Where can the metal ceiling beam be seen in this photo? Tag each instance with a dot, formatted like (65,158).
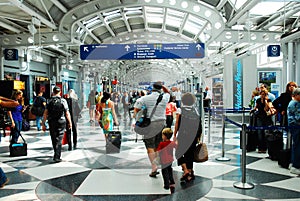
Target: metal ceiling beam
(31,12)
(240,36)
(183,23)
(241,11)
(9,27)
(89,32)
(125,19)
(51,38)
(106,25)
(221,4)
(60,6)
(279,18)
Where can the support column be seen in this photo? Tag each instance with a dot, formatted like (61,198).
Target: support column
(297,62)
(290,69)
(284,79)
(1,64)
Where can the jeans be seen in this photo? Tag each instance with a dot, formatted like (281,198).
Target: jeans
(16,131)
(167,173)
(74,131)
(295,153)
(56,133)
(2,177)
(262,142)
(38,122)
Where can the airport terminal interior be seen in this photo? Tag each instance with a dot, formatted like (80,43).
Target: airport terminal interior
(88,173)
(229,46)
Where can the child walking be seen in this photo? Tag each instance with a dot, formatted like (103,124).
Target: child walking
(165,150)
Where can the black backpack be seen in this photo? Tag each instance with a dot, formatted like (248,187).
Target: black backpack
(190,121)
(55,108)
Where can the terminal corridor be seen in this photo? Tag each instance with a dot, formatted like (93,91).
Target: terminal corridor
(88,173)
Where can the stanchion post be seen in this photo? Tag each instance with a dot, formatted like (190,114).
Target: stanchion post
(223,158)
(242,184)
(208,129)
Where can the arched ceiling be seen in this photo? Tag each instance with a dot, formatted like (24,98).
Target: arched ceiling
(59,27)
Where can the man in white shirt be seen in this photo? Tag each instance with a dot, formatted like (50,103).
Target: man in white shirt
(149,101)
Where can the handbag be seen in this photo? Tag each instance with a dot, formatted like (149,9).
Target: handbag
(18,149)
(200,153)
(144,125)
(64,139)
(25,125)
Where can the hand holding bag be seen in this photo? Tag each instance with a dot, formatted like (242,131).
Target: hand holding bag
(201,152)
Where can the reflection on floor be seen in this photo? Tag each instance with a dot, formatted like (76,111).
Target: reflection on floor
(88,173)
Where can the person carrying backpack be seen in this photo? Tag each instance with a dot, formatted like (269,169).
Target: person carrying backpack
(187,133)
(57,112)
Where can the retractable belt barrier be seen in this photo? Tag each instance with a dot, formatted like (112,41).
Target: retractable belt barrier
(242,184)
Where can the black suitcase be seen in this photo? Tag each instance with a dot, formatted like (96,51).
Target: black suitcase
(18,149)
(252,138)
(274,143)
(113,144)
(284,158)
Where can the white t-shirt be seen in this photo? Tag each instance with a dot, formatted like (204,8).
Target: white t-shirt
(150,101)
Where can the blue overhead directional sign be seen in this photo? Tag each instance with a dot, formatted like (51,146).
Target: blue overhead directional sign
(141,51)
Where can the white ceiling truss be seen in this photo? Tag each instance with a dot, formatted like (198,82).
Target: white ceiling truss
(62,25)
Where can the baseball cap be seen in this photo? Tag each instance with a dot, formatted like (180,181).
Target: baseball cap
(56,89)
(296,91)
(157,86)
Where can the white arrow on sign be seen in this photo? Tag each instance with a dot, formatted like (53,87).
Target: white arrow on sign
(127,47)
(86,49)
(198,46)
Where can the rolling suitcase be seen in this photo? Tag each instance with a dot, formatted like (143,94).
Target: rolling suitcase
(274,143)
(284,157)
(113,143)
(18,149)
(251,135)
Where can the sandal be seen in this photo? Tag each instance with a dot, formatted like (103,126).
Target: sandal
(184,177)
(153,174)
(187,177)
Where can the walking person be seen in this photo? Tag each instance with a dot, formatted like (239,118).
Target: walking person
(40,105)
(57,113)
(170,110)
(107,114)
(74,110)
(125,102)
(293,112)
(5,102)
(92,104)
(16,115)
(149,101)
(165,151)
(187,132)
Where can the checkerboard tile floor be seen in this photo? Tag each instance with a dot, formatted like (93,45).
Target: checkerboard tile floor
(88,173)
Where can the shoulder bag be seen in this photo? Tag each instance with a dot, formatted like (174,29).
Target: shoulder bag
(200,152)
(144,125)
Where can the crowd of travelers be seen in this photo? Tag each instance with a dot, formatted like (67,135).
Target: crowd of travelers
(182,130)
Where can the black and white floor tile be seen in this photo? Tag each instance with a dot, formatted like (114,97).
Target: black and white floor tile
(88,173)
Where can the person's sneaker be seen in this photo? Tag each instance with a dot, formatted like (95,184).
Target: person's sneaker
(294,170)
(57,160)
(172,189)
(290,166)
(6,182)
